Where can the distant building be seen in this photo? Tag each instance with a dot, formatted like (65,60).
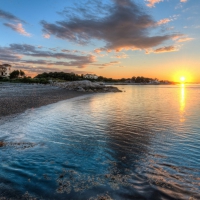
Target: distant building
(90,76)
(5,70)
(154,81)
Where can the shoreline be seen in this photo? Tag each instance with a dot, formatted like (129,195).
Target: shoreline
(16,98)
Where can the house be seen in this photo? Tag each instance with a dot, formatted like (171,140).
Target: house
(90,76)
(154,81)
(5,70)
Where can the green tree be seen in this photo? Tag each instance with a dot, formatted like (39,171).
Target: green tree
(14,74)
(21,73)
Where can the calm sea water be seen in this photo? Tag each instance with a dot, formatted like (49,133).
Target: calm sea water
(140,144)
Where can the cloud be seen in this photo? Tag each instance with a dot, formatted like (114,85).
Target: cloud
(131,28)
(73,51)
(31,70)
(186,39)
(151,3)
(76,60)
(163,21)
(15,52)
(8,55)
(47,36)
(18,28)
(183,1)
(166,49)
(78,64)
(103,65)
(9,17)
(120,56)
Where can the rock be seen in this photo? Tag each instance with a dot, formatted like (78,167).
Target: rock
(86,85)
(80,89)
(2,144)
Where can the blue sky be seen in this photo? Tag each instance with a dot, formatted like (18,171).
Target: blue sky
(113,38)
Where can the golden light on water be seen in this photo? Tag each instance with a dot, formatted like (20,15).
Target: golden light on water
(182,103)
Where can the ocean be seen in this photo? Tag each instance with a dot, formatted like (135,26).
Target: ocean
(142,143)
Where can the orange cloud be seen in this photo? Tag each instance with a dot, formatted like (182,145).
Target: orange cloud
(151,3)
(185,39)
(163,21)
(99,50)
(166,49)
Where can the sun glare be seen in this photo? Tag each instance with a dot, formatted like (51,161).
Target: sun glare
(182,79)
(182,76)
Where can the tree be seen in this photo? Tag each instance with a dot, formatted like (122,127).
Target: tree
(133,78)
(21,73)
(14,74)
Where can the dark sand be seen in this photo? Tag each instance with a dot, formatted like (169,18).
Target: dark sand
(16,98)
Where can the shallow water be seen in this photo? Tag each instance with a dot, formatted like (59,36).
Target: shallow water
(140,144)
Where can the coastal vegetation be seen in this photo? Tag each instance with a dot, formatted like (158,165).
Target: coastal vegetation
(44,78)
(17,74)
(62,76)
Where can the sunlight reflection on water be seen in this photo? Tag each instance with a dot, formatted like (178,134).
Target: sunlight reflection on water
(182,103)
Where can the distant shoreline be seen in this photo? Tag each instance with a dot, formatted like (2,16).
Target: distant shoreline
(141,83)
(175,83)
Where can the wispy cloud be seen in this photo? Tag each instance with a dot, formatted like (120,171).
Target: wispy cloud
(151,3)
(10,17)
(103,65)
(14,23)
(131,28)
(120,56)
(47,36)
(166,49)
(163,21)
(15,52)
(8,55)
(185,39)
(18,28)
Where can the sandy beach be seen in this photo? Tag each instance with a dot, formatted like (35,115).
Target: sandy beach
(17,97)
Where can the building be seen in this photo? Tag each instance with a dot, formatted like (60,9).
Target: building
(154,81)
(90,76)
(5,70)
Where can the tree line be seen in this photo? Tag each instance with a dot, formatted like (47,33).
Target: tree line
(19,75)
(75,77)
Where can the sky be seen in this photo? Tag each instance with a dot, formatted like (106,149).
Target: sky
(110,38)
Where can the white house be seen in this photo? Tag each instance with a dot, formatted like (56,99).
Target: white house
(5,70)
(155,81)
(90,76)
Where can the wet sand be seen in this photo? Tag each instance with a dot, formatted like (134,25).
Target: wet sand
(16,97)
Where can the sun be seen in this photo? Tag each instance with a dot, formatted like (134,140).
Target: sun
(182,78)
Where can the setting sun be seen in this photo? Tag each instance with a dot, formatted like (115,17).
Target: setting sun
(183,76)
(182,79)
